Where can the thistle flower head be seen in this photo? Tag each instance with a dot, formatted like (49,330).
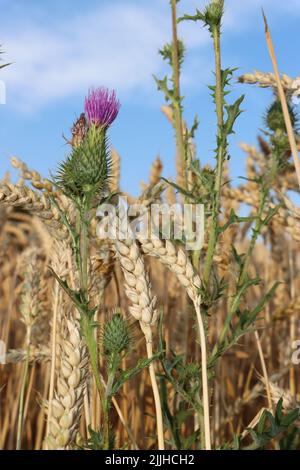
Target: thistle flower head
(101,107)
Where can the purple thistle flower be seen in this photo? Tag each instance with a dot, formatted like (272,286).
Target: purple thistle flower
(101,106)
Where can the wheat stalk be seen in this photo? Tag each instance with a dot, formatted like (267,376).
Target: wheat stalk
(180,265)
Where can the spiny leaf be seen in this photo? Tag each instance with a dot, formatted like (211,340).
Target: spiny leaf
(197,17)
(126,375)
(233,112)
(162,85)
(270,427)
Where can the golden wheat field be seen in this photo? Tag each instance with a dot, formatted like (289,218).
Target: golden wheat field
(115,333)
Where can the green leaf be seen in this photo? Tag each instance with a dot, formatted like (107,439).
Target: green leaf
(270,427)
(233,219)
(167,52)
(162,85)
(291,417)
(233,112)
(126,375)
(74,295)
(197,17)
(181,190)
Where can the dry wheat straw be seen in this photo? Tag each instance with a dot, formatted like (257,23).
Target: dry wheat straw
(180,265)
(283,100)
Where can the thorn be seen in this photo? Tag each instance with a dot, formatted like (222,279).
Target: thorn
(66,140)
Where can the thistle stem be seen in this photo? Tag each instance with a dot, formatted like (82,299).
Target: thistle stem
(219,99)
(87,321)
(243,274)
(84,254)
(178,125)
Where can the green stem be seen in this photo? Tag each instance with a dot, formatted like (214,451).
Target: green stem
(84,240)
(243,274)
(87,321)
(219,99)
(256,231)
(176,101)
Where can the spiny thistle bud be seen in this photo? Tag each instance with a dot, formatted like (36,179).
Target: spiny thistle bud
(116,337)
(190,371)
(213,14)
(274,118)
(87,169)
(101,107)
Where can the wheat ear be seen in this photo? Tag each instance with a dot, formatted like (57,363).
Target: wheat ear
(69,393)
(38,204)
(69,359)
(143,309)
(30,309)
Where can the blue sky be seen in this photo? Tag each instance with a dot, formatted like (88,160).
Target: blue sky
(60,49)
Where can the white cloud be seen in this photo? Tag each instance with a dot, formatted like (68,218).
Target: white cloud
(114,45)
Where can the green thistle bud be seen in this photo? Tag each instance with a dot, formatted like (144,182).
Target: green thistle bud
(274,118)
(86,171)
(190,372)
(213,14)
(116,337)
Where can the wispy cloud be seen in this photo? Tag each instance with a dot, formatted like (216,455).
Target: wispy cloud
(115,44)
(112,46)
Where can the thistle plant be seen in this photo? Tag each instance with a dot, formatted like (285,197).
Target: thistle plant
(173,53)
(117,343)
(207,187)
(84,178)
